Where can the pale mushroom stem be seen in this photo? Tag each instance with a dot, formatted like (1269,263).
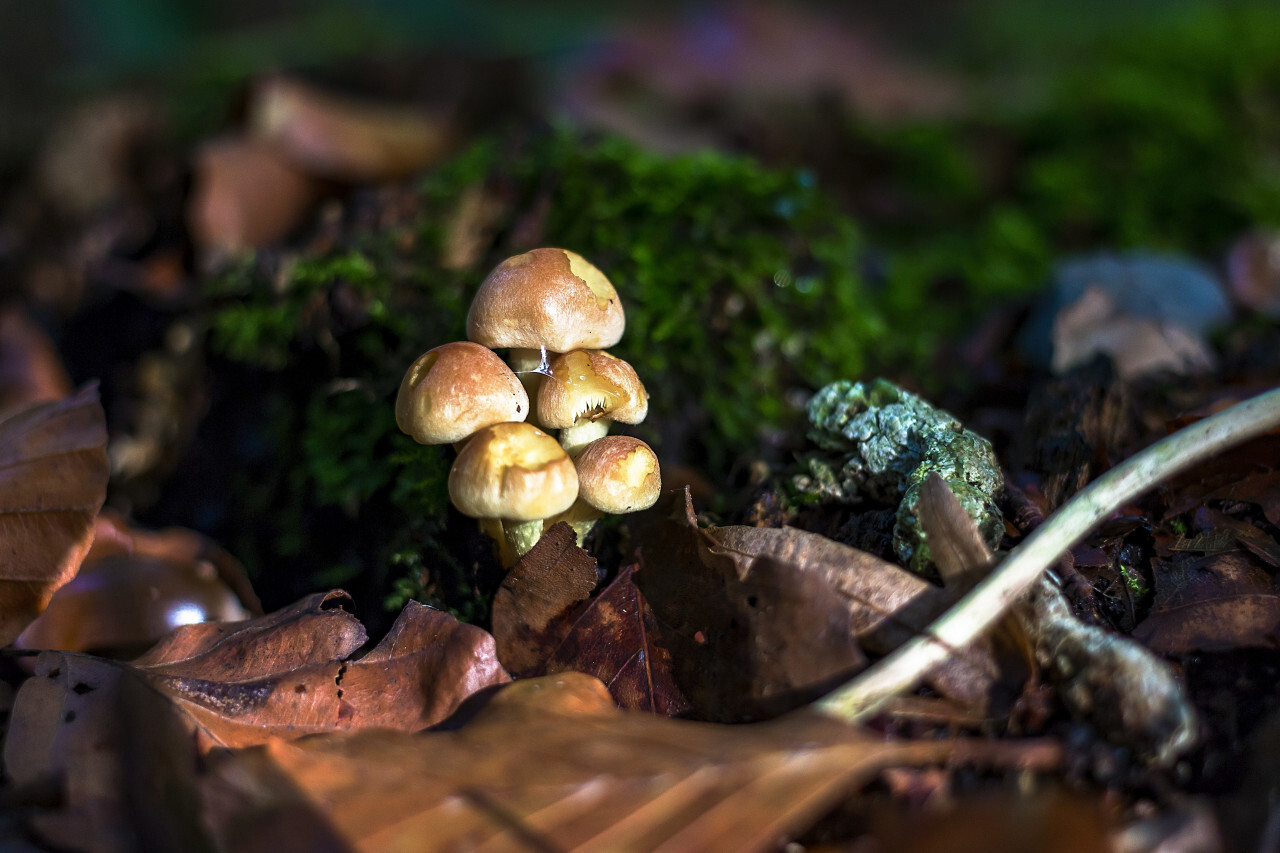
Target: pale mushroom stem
(582,516)
(529,365)
(521,537)
(574,439)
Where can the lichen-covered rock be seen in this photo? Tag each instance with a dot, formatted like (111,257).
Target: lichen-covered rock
(881,442)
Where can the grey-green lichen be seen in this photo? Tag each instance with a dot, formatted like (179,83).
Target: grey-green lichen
(881,442)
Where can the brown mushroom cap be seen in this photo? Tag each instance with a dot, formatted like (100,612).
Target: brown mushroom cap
(587,385)
(618,474)
(512,471)
(455,390)
(549,298)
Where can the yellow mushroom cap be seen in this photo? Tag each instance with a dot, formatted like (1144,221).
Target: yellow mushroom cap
(587,385)
(618,474)
(455,390)
(549,298)
(512,471)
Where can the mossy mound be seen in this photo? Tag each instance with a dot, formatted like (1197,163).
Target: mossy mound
(741,286)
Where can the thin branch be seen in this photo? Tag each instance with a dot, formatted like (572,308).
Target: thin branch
(988,601)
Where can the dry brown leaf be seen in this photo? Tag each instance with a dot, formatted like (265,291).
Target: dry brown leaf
(548,582)
(544,621)
(288,673)
(136,585)
(616,638)
(30,369)
(53,480)
(548,764)
(1217,602)
(761,620)
(1050,821)
(343,138)
(749,638)
(1138,346)
(245,194)
(116,754)
(114,740)
(1260,489)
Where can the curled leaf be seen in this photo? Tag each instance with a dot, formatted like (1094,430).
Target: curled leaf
(53,479)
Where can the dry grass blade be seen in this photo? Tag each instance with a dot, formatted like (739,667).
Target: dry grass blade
(550,764)
(53,479)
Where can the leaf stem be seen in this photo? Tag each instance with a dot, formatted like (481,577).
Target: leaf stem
(989,600)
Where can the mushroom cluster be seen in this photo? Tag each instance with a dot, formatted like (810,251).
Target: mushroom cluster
(555,314)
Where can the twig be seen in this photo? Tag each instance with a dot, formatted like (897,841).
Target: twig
(988,601)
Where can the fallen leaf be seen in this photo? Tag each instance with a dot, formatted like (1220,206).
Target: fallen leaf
(648,81)
(30,369)
(548,582)
(761,620)
(135,586)
(245,194)
(545,621)
(616,638)
(90,160)
(118,755)
(749,636)
(344,138)
(290,673)
(1263,490)
(1253,272)
(53,479)
(1052,821)
(127,603)
(1137,345)
(549,764)
(115,739)
(1215,602)
(1246,535)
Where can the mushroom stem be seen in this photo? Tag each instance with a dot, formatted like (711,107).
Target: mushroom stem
(575,438)
(494,529)
(529,366)
(582,516)
(521,537)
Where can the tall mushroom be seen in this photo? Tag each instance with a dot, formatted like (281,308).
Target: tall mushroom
(585,393)
(517,473)
(545,300)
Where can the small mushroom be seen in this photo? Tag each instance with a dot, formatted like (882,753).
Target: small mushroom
(517,473)
(546,300)
(585,393)
(455,390)
(617,474)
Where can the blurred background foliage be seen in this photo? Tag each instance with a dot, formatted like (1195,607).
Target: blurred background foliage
(766,242)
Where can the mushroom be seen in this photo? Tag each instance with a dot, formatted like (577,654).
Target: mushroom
(617,474)
(586,391)
(455,390)
(546,300)
(517,473)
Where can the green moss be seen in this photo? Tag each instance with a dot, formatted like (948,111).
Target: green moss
(739,282)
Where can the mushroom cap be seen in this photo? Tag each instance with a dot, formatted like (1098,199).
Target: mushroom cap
(512,471)
(587,385)
(618,474)
(549,298)
(452,391)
